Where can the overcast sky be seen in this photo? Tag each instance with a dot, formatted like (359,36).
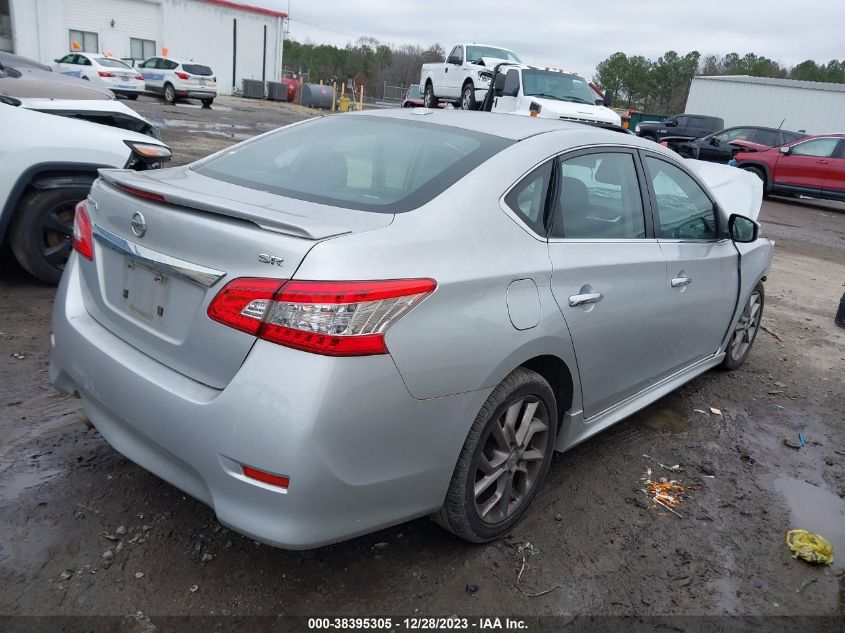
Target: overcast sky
(576,35)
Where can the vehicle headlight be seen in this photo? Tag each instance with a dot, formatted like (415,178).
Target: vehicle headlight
(485,76)
(146,155)
(637,127)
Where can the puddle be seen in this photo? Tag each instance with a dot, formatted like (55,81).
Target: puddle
(815,509)
(13,486)
(237,131)
(661,416)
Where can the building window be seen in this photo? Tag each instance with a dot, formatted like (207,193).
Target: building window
(141,49)
(84,41)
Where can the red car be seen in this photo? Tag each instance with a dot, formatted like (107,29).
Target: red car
(813,166)
(414,98)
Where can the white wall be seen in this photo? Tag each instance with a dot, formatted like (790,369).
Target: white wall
(739,103)
(204,32)
(189,29)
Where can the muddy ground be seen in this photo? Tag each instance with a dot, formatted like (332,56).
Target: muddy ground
(67,498)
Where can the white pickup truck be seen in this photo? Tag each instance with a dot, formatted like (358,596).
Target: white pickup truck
(464,75)
(548,93)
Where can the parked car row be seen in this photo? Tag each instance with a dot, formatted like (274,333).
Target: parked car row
(169,77)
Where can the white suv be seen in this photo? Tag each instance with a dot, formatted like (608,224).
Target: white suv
(47,165)
(173,79)
(114,74)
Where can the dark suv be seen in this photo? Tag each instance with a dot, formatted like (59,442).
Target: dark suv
(681,125)
(720,148)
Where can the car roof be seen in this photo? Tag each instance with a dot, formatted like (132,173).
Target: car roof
(18,61)
(509,126)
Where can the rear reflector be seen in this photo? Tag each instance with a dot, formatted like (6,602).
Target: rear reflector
(333,318)
(139,77)
(83,238)
(141,193)
(268,478)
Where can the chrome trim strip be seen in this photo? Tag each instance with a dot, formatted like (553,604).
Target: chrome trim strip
(170,266)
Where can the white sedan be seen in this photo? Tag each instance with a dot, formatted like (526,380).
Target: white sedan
(114,74)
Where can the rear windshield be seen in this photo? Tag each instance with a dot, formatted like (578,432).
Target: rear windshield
(197,69)
(357,162)
(112,63)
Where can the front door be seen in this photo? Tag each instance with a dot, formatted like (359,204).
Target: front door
(452,73)
(506,101)
(702,281)
(806,165)
(153,76)
(608,275)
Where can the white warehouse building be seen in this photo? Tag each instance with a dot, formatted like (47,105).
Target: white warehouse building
(812,106)
(237,40)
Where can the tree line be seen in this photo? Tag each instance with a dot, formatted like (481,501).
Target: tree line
(379,63)
(661,86)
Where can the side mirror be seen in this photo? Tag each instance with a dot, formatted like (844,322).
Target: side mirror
(608,98)
(454,60)
(715,142)
(783,149)
(670,123)
(742,229)
(58,61)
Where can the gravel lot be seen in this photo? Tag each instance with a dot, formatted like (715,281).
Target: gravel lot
(84,531)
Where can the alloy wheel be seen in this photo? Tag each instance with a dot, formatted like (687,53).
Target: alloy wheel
(56,227)
(746,327)
(466,100)
(511,459)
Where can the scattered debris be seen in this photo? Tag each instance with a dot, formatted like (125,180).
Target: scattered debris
(207,557)
(65,575)
(17,355)
(805,583)
(139,574)
(813,548)
(771,332)
(797,444)
(665,493)
(380,545)
(108,554)
(672,469)
(699,411)
(471,588)
(558,517)
(121,530)
(715,411)
(194,588)
(524,550)
(110,537)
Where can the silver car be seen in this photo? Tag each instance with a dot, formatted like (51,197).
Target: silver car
(361,319)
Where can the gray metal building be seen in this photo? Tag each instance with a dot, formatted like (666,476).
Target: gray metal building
(818,108)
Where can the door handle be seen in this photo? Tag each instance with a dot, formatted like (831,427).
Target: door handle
(446,70)
(580,300)
(677,282)
(822,161)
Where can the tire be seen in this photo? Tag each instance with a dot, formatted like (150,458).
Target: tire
(428,97)
(757,171)
(206,103)
(132,97)
(483,517)
(169,94)
(649,137)
(468,97)
(41,231)
(745,332)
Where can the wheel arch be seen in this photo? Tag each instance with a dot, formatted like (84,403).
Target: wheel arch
(559,376)
(767,185)
(46,176)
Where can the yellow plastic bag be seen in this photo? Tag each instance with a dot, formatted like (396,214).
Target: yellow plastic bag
(811,547)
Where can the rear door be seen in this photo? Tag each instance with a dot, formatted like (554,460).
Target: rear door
(699,292)
(67,65)
(608,275)
(834,184)
(807,165)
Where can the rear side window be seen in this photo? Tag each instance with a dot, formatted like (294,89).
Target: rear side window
(357,162)
(684,211)
(197,69)
(599,198)
(528,198)
(769,138)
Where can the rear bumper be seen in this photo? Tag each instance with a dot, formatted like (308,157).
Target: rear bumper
(196,94)
(361,453)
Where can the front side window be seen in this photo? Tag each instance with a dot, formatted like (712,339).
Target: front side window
(528,198)
(474,53)
(820,147)
(141,49)
(456,54)
(365,163)
(67,59)
(682,121)
(737,134)
(549,84)
(85,41)
(684,212)
(599,198)
(150,63)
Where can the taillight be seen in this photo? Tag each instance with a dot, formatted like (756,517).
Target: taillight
(334,318)
(103,73)
(139,77)
(83,238)
(182,75)
(141,193)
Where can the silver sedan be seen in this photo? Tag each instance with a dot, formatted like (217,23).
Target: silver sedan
(365,318)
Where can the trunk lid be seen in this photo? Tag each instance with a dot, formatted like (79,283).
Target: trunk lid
(152,290)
